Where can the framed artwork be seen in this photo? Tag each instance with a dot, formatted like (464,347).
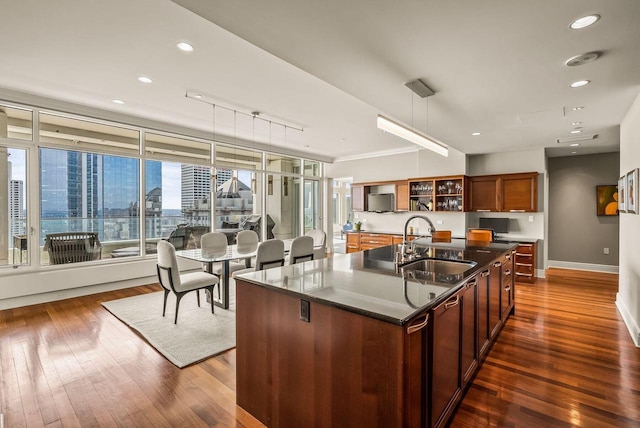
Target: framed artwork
(622,194)
(632,191)
(607,200)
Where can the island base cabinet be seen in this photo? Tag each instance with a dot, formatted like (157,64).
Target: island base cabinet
(338,369)
(469,349)
(484,331)
(446,386)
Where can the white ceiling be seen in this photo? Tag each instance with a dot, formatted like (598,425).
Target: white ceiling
(496,66)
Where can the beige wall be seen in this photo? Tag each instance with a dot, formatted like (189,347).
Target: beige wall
(628,299)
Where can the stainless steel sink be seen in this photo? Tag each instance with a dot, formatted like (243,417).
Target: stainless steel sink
(436,266)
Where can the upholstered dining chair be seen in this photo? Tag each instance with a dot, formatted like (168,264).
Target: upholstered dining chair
(247,242)
(441,236)
(270,254)
(301,250)
(214,244)
(172,280)
(319,243)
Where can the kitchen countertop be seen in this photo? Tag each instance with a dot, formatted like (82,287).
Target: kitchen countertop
(502,239)
(369,284)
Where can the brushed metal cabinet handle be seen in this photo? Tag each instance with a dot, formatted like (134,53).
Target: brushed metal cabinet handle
(418,326)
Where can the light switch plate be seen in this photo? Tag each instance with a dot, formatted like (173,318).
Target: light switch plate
(530,219)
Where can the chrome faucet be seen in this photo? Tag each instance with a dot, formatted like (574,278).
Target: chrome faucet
(432,228)
(404,255)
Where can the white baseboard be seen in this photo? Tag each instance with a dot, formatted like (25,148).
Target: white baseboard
(540,273)
(631,324)
(35,299)
(583,266)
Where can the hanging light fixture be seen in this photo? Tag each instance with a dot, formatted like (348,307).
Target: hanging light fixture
(409,133)
(285,180)
(253,149)
(270,177)
(412,135)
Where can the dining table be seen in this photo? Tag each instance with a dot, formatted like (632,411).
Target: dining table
(234,252)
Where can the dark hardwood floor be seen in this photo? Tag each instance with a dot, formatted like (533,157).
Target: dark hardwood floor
(564,359)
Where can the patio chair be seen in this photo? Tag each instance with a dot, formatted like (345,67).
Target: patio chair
(72,247)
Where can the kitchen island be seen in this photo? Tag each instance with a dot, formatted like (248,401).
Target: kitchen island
(355,340)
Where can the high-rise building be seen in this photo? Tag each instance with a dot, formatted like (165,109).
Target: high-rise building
(196,185)
(17,221)
(93,192)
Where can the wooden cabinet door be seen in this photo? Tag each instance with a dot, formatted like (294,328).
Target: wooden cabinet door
(353,242)
(507,286)
(495,292)
(358,197)
(446,386)
(482,296)
(402,196)
(416,360)
(483,194)
(519,192)
(469,351)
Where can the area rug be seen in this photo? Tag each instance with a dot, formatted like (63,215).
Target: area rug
(198,335)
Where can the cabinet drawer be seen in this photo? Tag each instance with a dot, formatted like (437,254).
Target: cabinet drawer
(376,239)
(525,249)
(524,268)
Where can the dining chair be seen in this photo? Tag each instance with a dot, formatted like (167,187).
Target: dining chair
(319,243)
(441,236)
(485,235)
(172,280)
(215,244)
(301,250)
(247,242)
(270,254)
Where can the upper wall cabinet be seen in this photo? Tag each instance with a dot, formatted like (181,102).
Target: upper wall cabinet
(504,193)
(358,197)
(483,193)
(361,191)
(437,193)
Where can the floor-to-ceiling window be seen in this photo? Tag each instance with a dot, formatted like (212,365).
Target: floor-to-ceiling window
(88,184)
(130,187)
(283,195)
(15,127)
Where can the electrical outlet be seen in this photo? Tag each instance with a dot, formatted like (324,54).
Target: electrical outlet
(606,250)
(530,219)
(356,215)
(304,310)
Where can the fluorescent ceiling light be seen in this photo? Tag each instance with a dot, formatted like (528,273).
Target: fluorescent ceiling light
(580,83)
(184,46)
(574,144)
(410,135)
(144,79)
(577,108)
(576,131)
(576,123)
(475,134)
(585,21)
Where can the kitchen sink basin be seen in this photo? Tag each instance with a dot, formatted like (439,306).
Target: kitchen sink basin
(437,266)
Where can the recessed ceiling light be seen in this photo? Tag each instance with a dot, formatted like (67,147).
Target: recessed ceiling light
(118,101)
(580,83)
(585,21)
(475,134)
(576,123)
(198,96)
(144,79)
(577,108)
(184,46)
(576,131)
(573,153)
(575,144)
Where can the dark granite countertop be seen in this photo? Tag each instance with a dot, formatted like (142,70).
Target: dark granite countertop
(369,283)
